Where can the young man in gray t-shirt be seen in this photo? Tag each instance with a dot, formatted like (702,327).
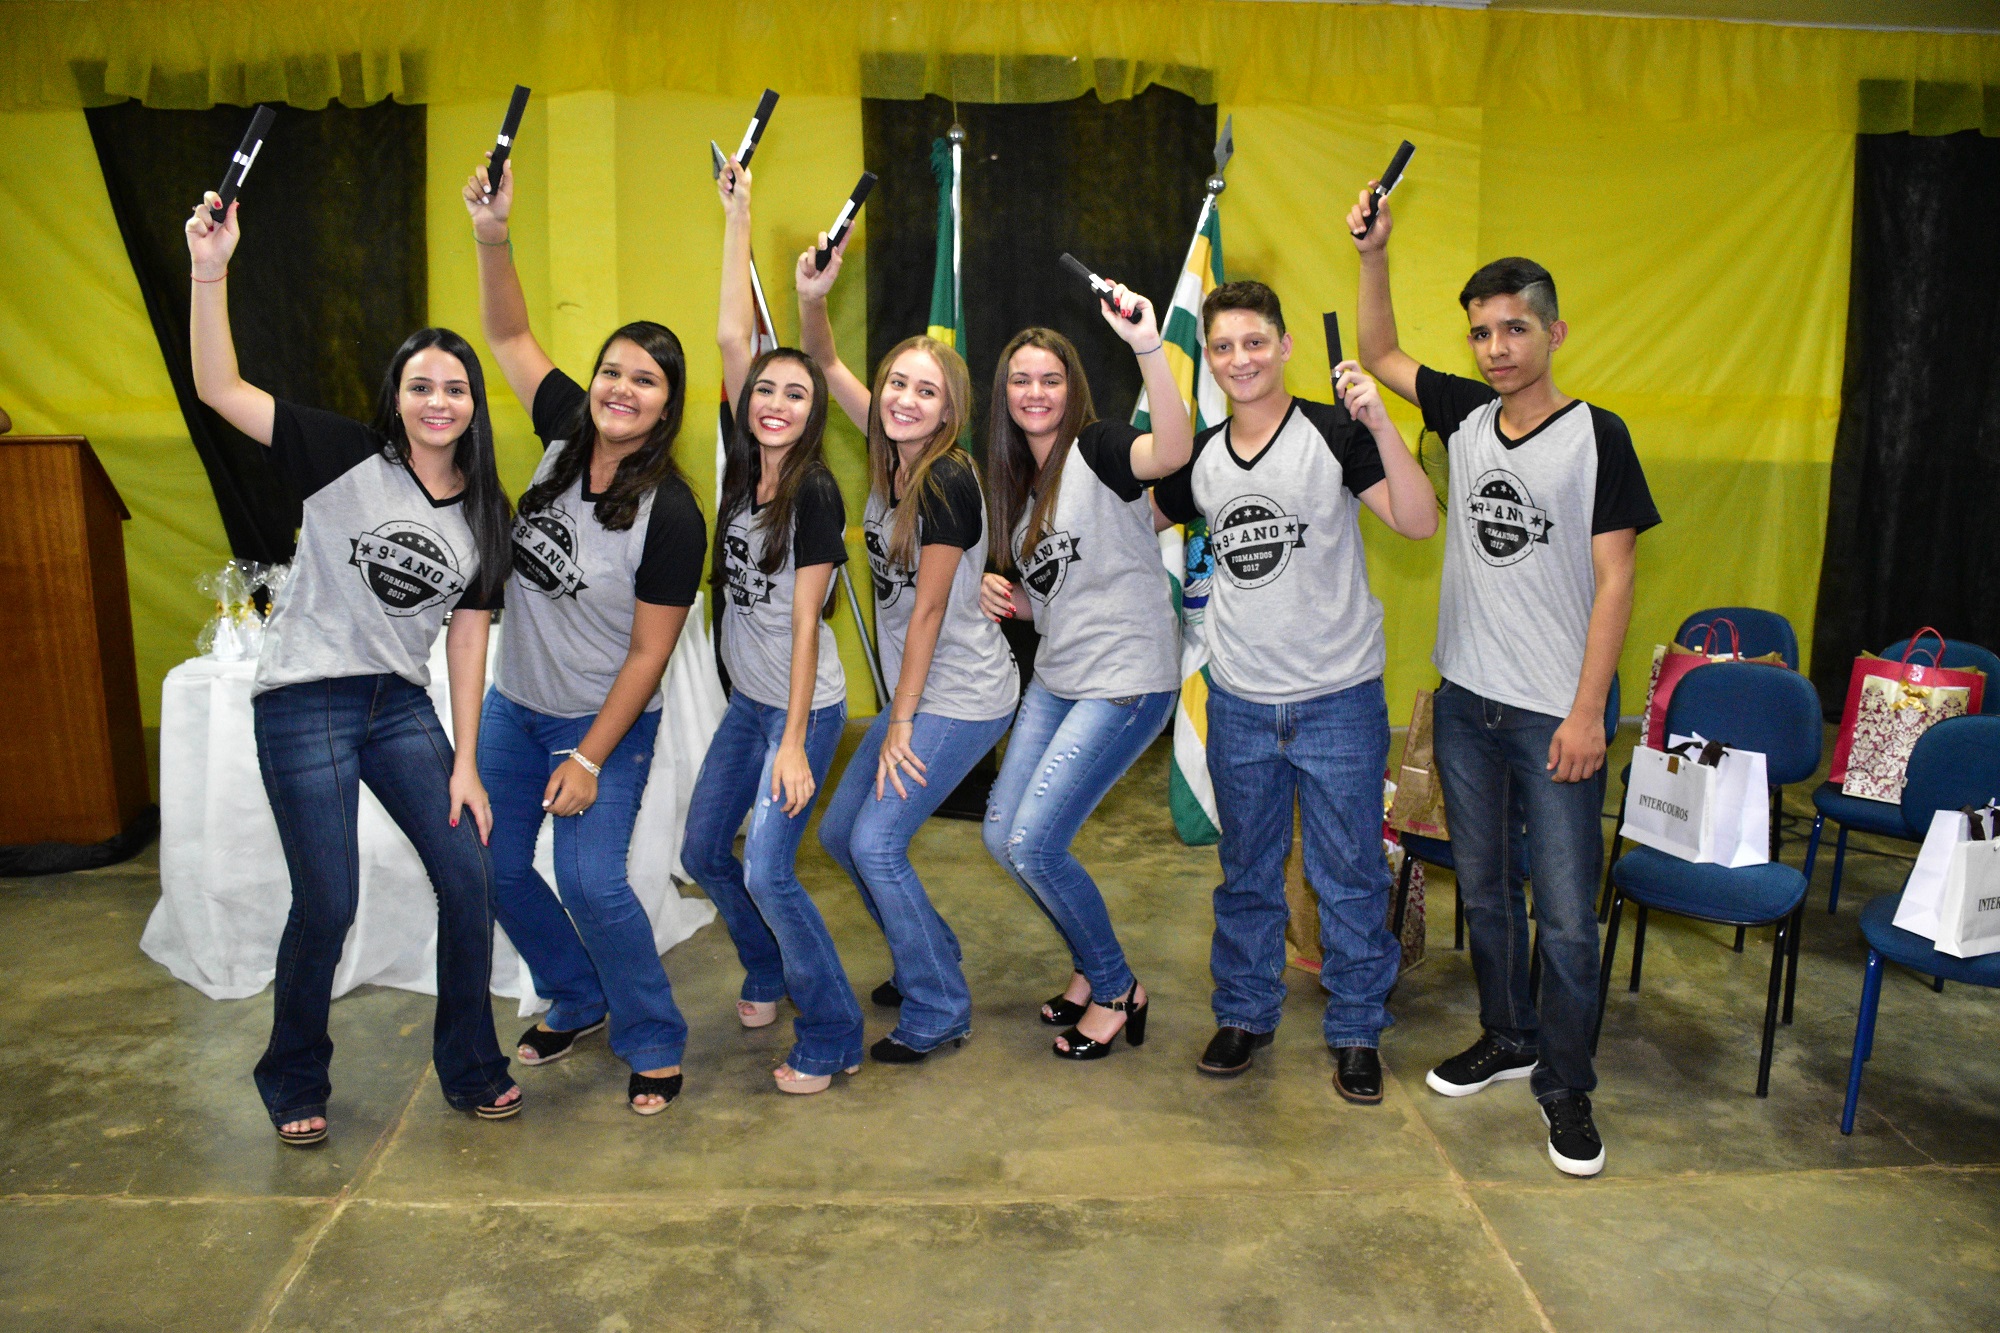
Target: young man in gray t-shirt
(1545,505)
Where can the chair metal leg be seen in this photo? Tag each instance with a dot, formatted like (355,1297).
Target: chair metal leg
(1604,972)
(1739,940)
(1457,913)
(1534,965)
(1812,846)
(1617,846)
(1937,984)
(1864,1038)
(1402,894)
(1638,946)
(1839,863)
(1778,951)
(1792,966)
(1777,822)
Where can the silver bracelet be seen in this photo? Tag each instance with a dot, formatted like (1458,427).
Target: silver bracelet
(582,762)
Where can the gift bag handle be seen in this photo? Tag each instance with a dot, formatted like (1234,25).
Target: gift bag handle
(1937,656)
(1708,629)
(1975,823)
(1710,756)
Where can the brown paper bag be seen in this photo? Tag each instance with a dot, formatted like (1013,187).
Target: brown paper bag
(1419,803)
(1302,945)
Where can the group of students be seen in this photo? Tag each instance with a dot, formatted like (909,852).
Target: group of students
(406,528)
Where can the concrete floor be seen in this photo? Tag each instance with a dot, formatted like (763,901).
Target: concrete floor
(141,1186)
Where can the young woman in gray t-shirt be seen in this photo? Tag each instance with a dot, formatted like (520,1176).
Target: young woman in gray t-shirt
(779,533)
(1069,498)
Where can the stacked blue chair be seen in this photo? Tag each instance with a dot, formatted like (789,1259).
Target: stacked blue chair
(1880,817)
(1749,706)
(1954,764)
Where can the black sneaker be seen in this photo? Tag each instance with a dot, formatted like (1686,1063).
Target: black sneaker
(1573,1143)
(1471,1070)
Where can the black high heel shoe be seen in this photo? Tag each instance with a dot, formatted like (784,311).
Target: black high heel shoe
(1061,1011)
(1089,1048)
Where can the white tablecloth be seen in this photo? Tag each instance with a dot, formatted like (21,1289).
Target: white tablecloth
(224,890)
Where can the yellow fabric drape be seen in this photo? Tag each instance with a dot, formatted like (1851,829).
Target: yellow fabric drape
(58,53)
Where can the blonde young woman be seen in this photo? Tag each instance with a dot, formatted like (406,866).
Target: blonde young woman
(955,681)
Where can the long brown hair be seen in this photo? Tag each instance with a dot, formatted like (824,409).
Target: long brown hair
(743,469)
(1009,460)
(640,472)
(884,457)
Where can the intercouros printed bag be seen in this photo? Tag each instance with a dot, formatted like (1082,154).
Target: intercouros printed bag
(1701,801)
(1952,897)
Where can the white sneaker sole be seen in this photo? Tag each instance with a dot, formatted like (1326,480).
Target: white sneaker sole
(1571,1166)
(1439,1085)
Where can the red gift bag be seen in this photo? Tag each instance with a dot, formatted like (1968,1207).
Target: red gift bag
(1904,672)
(1671,662)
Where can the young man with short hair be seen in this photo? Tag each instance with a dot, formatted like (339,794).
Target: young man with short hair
(1546,503)
(1295,706)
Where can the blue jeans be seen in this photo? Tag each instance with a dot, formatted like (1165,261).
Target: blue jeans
(780,936)
(870,837)
(1064,756)
(1492,756)
(316,744)
(615,964)
(1327,755)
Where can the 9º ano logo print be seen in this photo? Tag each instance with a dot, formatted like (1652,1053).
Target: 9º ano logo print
(545,545)
(889,580)
(1254,539)
(408,567)
(1506,525)
(1044,568)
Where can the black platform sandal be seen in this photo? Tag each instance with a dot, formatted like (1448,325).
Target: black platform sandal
(889,1051)
(640,1085)
(549,1045)
(496,1110)
(886,995)
(1089,1048)
(302,1138)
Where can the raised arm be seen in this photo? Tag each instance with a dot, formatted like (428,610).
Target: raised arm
(503,310)
(816,331)
(1403,499)
(213,350)
(1381,354)
(1171,443)
(736,317)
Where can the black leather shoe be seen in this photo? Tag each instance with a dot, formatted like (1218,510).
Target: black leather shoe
(1357,1074)
(1230,1051)
(887,995)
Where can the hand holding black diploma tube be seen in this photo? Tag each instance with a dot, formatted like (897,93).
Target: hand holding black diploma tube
(748,148)
(848,212)
(1333,360)
(1389,180)
(502,146)
(240,162)
(1098,285)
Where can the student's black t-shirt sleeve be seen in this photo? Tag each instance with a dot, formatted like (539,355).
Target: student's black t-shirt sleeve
(1107,447)
(669,570)
(1350,442)
(951,512)
(1174,493)
(1447,400)
(558,402)
(314,449)
(819,522)
(1623,498)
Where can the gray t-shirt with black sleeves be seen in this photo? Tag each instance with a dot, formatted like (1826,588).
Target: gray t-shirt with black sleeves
(972,677)
(1290,615)
(576,583)
(1098,589)
(756,618)
(1519,581)
(379,561)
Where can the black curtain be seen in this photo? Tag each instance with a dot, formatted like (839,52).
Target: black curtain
(327,282)
(1117,184)
(1911,535)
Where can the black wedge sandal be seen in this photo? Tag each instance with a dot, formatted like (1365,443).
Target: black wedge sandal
(640,1085)
(548,1045)
(1090,1048)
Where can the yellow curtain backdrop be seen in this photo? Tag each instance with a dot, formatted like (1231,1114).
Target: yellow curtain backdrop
(1689,183)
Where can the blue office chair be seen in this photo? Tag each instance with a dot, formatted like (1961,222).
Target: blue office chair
(1750,706)
(1434,852)
(1881,817)
(1758,632)
(1954,764)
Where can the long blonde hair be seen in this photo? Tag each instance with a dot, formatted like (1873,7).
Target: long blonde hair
(884,457)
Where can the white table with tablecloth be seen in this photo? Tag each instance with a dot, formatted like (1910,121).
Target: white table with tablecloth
(224,889)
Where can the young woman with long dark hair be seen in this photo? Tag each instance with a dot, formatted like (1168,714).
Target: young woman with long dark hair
(404,523)
(607,558)
(955,681)
(1069,492)
(779,531)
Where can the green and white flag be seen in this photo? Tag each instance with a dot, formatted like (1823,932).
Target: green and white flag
(947,322)
(1185,550)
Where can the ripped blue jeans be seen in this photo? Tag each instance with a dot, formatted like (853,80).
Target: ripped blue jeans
(1063,757)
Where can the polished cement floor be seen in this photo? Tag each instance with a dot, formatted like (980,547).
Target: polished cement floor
(993,1187)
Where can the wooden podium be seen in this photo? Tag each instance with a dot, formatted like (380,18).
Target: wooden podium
(71,749)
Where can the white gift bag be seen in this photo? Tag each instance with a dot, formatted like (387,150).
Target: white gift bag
(1702,802)
(1922,909)
(1969,918)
